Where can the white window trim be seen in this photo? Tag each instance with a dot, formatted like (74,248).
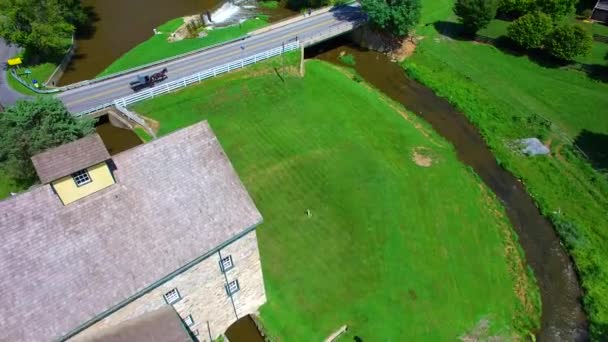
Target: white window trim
(77,174)
(172,296)
(189,320)
(225,268)
(233,287)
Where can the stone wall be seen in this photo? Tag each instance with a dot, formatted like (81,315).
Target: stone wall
(203,293)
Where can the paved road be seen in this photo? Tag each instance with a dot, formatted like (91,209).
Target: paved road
(90,96)
(7,95)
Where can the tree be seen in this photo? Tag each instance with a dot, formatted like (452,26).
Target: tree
(530,30)
(394,16)
(30,127)
(556,8)
(42,26)
(475,14)
(569,41)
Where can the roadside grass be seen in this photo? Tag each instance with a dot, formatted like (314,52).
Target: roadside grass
(40,72)
(157,47)
(508,97)
(355,232)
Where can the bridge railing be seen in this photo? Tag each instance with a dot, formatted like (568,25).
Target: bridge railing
(333,31)
(185,81)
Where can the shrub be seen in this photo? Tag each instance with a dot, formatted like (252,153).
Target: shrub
(530,30)
(475,14)
(347,59)
(569,41)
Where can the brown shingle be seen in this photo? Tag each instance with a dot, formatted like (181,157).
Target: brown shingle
(162,325)
(66,159)
(175,199)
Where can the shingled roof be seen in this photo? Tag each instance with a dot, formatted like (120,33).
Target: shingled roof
(162,325)
(175,199)
(66,159)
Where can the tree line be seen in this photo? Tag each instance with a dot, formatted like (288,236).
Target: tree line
(539,24)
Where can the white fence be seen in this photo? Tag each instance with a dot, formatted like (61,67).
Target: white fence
(184,82)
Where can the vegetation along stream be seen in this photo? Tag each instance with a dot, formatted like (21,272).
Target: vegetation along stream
(563,318)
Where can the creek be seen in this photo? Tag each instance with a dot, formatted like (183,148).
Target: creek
(563,318)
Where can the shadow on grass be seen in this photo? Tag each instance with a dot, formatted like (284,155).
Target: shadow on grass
(595,145)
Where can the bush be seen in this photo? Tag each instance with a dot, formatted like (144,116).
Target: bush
(347,59)
(515,8)
(569,41)
(530,30)
(475,14)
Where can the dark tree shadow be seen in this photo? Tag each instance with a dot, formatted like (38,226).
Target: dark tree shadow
(88,28)
(453,30)
(595,146)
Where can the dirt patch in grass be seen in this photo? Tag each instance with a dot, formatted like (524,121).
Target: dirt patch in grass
(422,157)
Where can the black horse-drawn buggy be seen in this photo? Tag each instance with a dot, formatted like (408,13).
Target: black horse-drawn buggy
(148,81)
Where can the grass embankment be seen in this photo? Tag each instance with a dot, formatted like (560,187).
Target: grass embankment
(158,47)
(507,97)
(391,248)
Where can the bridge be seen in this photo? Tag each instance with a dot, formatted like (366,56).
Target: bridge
(96,95)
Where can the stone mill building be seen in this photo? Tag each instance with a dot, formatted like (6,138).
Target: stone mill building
(156,243)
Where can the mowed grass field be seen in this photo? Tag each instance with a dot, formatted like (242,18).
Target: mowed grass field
(511,96)
(355,231)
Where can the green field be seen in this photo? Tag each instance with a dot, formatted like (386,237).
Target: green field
(510,96)
(355,231)
(157,47)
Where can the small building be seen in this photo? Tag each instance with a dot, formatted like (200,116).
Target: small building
(600,11)
(156,243)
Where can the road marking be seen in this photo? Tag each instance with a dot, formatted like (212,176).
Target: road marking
(296,33)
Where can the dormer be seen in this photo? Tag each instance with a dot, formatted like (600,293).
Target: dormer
(75,170)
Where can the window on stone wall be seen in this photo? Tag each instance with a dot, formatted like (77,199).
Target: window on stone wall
(226,263)
(232,287)
(172,296)
(188,320)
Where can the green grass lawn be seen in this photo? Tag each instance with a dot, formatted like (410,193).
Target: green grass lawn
(40,72)
(507,96)
(392,249)
(157,47)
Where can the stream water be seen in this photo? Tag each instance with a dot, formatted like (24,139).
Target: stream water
(563,318)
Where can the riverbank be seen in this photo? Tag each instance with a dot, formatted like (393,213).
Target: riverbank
(158,47)
(510,96)
(370,220)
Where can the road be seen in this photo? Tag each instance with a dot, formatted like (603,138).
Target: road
(7,95)
(90,96)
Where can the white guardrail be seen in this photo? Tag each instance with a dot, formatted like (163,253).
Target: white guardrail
(185,81)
